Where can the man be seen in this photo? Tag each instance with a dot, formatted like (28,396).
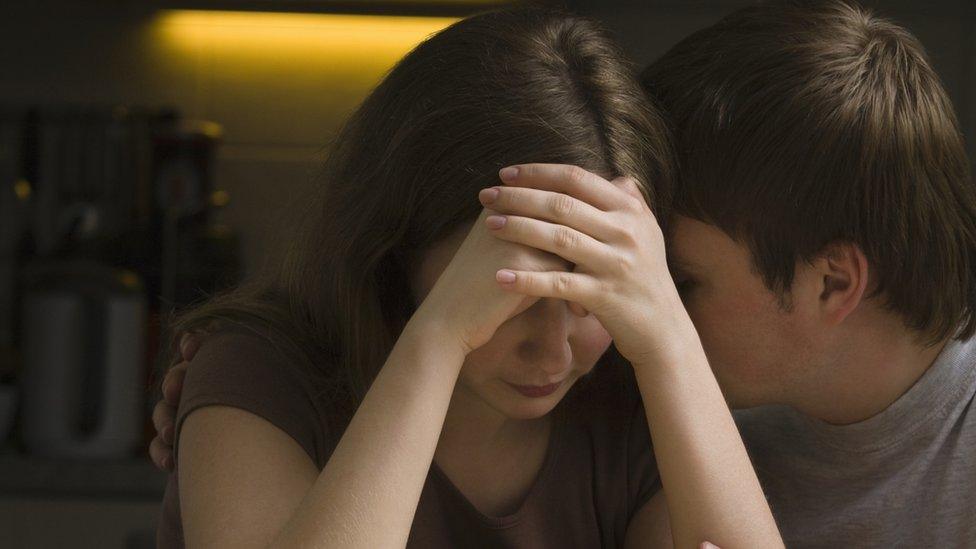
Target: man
(825,246)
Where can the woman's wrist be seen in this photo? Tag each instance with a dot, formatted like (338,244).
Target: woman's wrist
(674,347)
(432,337)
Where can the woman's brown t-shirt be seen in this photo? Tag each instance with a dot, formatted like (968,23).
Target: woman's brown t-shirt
(598,470)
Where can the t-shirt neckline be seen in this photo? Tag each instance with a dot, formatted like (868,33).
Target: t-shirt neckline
(951,376)
(542,478)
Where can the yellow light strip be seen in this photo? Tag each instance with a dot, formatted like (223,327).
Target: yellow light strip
(345,42)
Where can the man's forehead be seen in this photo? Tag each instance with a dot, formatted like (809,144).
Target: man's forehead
(685,239)
(694,243)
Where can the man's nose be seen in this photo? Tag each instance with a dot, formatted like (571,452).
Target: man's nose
(546,343)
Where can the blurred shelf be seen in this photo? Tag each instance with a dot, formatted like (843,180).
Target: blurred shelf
(29,476)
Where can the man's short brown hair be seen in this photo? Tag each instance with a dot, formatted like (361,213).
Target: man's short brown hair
(799,125)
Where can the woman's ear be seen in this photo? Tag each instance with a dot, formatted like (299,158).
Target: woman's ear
(843,271)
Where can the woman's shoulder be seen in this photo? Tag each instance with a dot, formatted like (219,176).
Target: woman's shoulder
(246,362)
(247,370)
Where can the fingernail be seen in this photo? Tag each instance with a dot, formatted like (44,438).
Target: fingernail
(488,196)
(496,221)
(509,173)
(505,277)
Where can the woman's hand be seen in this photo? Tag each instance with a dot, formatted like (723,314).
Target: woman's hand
(466,301)
(164,414)
(609,233)
(607,230)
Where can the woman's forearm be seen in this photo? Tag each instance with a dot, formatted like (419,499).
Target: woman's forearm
(709,483)
(367,494)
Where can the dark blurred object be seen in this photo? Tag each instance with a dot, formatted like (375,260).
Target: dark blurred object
(84,331)
(91,169)
(105,228)
(8,408)
(131,188)
(14,196)
(141,539)
(195,257)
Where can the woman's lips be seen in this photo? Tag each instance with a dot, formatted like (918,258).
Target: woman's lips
(536,391)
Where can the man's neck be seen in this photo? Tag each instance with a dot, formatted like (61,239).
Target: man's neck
(868,377)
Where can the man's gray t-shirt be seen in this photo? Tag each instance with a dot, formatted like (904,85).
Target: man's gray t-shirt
(903,478)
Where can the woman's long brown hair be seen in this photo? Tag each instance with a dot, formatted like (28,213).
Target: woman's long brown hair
(501,88)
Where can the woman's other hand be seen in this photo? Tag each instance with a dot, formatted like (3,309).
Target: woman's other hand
(465,303)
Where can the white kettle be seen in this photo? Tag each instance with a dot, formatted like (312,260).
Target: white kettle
(84,327)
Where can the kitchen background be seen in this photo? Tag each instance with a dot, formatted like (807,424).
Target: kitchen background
(147,149)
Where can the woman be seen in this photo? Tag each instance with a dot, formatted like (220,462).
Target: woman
(421,371)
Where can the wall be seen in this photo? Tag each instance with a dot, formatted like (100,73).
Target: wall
(279,87)
(280,106)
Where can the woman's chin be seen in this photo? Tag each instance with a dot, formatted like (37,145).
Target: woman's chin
(516,405)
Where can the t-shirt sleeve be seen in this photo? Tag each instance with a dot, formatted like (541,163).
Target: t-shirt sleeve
(643,480)
(245,371)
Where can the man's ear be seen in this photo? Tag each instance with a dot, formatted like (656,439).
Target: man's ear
(843,270)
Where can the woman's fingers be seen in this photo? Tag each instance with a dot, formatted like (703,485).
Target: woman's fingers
(567,243)
(578,309)
(575,287)
(545,205)
(571,180)
(572,204)
(551,206)
(632,189)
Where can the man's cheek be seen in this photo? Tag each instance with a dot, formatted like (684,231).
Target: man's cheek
(718,330)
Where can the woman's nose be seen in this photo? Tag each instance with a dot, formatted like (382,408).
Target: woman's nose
(546,342)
